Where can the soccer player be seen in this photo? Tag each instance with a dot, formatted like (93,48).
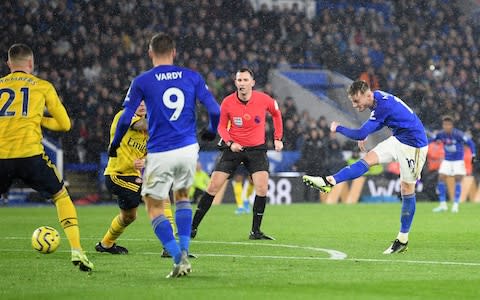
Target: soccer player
(200,182)
(123,179)
(408,146)
(242,129)
(170,93)
(242,190)
(23,99)
(453,163)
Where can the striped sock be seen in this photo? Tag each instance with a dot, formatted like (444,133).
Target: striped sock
(163,230)
(117,227)
(67,215)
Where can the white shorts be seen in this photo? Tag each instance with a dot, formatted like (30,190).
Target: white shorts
(452,168)
(170,169)
(411,159)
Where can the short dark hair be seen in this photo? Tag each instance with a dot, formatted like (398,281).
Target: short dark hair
(447,118)
(245,69)
(358,86)
(162,43)
(19,51)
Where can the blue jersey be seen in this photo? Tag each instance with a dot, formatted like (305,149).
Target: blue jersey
(453,144)
(392,112)
(170,93)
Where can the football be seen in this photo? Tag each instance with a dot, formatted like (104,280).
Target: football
(45,239)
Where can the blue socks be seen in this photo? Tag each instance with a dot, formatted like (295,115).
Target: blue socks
(458,191)
(408,211)
(163,230)
(442,191)
(351,172)
(183,218)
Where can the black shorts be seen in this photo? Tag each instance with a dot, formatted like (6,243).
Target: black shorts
(126,188)
(254,160)
(37,171)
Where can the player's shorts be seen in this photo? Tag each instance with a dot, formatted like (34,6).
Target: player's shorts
(254,160)
(126,188)
(37,171)
(411,159)
(170,169)
(452,168)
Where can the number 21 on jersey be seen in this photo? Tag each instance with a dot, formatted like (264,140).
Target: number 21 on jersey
(7,98)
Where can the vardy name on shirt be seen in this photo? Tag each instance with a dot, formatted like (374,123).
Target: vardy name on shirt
(169,75)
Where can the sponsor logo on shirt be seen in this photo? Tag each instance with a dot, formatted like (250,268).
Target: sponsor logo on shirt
(237,121)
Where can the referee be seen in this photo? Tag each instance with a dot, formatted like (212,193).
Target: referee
(242,129)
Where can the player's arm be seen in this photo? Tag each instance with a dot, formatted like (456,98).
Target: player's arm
(468,141)
(277,124)
(140,125)
(223,124)
(370,126)
(132,101)
(213,109)
(59,120)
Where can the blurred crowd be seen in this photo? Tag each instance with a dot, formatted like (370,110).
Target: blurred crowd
(422,51)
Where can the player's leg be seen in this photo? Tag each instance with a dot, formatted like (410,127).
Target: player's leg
(411,162)
(380,153)
(257,164)
(260,181)
(226,165)
(248,193)
(163,230)
(127,189)
(157,180)
(217,180)
(444,171)
(459,171)
(41,174)
(167,209)
(458,192)
(237,183)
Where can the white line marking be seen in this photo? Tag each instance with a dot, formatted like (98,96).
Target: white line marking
(332,257)
(334,254)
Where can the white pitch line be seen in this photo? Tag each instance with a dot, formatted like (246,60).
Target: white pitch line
(420,262)
(334,254)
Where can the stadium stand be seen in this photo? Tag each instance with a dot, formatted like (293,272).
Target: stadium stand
(91,50)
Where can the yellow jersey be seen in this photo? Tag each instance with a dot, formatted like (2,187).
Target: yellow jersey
(23,99)
(133,146)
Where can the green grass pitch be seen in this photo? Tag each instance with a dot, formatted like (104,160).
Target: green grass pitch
(443,260)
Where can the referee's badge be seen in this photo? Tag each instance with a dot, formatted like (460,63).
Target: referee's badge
(237,121)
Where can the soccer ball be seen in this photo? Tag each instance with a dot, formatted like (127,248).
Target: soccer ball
(45,239)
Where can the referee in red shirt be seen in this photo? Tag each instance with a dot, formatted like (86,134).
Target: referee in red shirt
(242,129)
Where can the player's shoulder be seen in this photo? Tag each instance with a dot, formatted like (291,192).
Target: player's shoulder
(261,95)
(458,132)
(382,95)
(230,98)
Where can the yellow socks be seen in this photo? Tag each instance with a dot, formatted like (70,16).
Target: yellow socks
(116,229)
(237,192)
(67,215)
(167,210)
(250,188)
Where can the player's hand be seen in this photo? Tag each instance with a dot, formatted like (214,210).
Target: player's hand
(474,160)
(139,164)
(362,145)
(112,151)
(207,135)
(235,147)
(278,145)
(333,126)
